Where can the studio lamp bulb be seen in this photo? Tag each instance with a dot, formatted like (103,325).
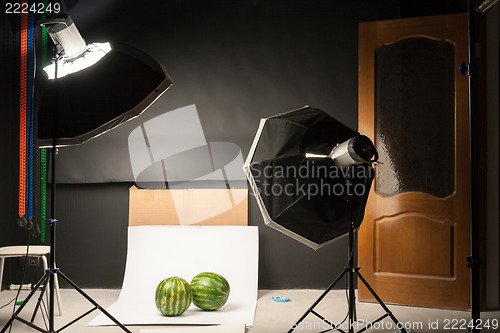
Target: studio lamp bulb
(91,56)
(73,53)
(357,150)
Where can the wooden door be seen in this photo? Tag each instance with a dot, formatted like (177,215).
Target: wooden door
(413,104)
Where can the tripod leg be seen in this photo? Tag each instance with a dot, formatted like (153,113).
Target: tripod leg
(318,300)
(18,311)
(58,295)
(352,300)
(93,302)
(37,307)
(51,300)
(382,304)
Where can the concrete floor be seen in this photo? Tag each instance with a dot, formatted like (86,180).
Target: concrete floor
(270,316)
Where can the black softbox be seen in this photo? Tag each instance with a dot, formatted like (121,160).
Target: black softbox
(85,104)
(306,198)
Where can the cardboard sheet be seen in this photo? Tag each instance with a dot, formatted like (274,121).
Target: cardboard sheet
(226,328)
(188,207)
(158,252)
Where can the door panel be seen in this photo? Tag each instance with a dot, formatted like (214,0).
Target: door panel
(415,74)
(413,103)
(400,237)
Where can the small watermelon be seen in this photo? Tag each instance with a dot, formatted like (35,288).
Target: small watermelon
(210,291)
(173,296)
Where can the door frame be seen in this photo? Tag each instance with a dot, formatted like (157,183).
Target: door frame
(455,31)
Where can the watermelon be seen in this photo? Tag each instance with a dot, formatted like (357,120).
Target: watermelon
(173,296)
(210,291)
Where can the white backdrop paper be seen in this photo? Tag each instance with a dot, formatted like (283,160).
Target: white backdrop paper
(157,252)
(226,328)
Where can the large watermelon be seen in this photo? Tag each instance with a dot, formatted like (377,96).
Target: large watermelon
(210,291)
(173,296)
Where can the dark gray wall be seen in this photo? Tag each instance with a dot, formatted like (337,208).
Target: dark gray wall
(238,61)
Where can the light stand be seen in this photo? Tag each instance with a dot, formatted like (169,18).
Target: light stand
(126,82)
(313,217)
(474,261)
(52,272)
(352,272)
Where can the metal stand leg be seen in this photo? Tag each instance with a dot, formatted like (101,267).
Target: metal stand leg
(38,303)
(15,316)
(51,276)
(97,306)
(351,272)
(311,309)
(382,304)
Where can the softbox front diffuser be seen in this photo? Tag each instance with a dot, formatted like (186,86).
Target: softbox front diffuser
(85,104)
(306,198)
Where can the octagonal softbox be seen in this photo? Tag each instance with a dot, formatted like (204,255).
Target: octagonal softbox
(78,107)
(306,198)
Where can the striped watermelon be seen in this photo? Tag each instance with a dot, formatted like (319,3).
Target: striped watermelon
(173,296)
(210,291)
